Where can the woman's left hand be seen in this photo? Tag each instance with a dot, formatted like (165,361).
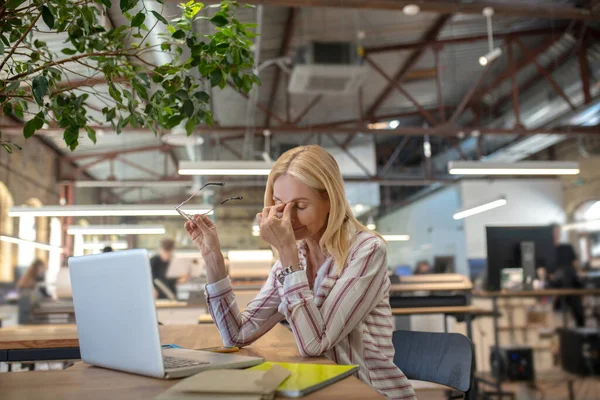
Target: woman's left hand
(278,232)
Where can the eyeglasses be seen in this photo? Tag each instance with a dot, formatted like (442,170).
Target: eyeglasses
(189,217)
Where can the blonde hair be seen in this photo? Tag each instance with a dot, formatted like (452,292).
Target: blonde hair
(316,168)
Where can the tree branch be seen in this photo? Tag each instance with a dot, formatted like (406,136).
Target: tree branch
(14,48)
(66,60)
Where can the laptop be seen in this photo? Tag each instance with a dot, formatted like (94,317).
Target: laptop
(117,323)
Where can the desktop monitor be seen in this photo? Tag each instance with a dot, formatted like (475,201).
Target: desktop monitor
(518,247)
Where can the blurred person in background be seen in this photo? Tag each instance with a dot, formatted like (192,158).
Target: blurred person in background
(33,275)
(423,267)
(160,264)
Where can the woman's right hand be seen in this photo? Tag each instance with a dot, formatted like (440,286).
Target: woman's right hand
(204,235)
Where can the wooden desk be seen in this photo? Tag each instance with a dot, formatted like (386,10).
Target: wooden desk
(536,293)
(431,287)
(85,382)
(472,310)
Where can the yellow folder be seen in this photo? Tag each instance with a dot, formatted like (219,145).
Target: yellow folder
(306,378)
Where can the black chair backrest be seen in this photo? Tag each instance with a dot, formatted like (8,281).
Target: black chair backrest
(442,358)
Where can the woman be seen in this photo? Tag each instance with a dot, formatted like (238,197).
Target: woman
(330,281)
(33,275)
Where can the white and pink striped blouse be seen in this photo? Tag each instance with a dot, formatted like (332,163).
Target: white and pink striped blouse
(347,317)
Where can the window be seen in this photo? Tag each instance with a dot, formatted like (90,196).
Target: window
(27,231)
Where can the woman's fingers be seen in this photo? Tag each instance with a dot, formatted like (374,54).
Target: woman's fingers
(287,212)
(265,214)
(259,218)
(201,224)
(275,210)
(207,221)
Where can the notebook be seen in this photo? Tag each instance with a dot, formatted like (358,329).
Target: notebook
(306,378)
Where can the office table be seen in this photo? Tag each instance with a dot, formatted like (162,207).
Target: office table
(86,382)
(495,295)
(39,343)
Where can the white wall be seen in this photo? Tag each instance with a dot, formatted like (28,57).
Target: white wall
(432,230)
(530,202)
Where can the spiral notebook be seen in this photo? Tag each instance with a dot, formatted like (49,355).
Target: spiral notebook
(306,378)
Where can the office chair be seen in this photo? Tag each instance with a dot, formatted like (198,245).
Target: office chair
(444,358)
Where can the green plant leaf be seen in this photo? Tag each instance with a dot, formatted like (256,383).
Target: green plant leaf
(219,19)
(187,108)
(68,51)
(144,78)
(179,34)
(12,4)
(182,94)
(48,17)
(174,121)
(114,93)
(40,87)
(138,19)
(216,77)
(91,133)
(190,124)
(13,86)
(7,147)
(202,96)
(159,17)
(33,125)
(127,5)
(107,3)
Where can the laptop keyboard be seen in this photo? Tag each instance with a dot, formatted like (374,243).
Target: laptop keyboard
(176,362)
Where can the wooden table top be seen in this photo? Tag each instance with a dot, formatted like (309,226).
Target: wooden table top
(38,336)
(473,310)
(90,383)
(537,293)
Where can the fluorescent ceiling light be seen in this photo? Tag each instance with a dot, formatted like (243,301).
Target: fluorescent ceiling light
(225,168)
(37,245)
(514,168)
(396,238)
(250,255)
(116,230)
(104,210)
(479,209)
(128,184)
(101,246)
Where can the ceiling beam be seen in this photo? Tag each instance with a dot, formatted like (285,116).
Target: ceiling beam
(309,107)
(460,40)
(410,62)
(441,130)
(469,95)
(547,75)
(399,87)
(283,50)
(115,153)
(515,9)
(260,105)
(553,66)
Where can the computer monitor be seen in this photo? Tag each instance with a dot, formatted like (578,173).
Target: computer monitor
(518,247)
(182,264)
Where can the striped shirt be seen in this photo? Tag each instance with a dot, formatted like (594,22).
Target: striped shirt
(346,317)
